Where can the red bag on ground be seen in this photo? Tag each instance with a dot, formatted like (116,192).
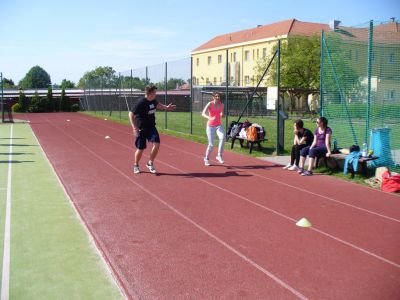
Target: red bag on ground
(390,183)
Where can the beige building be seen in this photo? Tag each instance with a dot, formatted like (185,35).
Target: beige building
(244,48)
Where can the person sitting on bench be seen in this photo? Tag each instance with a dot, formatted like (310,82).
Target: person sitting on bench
(320,147)
(303,137)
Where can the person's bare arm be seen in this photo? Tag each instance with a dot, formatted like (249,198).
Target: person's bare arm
(166,107)
(328,144)
(132,120)
(204,112)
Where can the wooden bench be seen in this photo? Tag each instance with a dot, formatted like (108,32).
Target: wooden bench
(336,161)
(249,144)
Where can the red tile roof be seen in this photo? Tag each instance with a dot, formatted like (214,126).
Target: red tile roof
(287,27)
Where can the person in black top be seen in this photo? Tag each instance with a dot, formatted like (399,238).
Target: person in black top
(143,121)
(302,138)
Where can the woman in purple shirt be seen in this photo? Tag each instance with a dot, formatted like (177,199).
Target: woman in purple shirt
(320,147)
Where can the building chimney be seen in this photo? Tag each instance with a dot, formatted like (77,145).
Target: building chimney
(259,26)
(392,19)
(334,24)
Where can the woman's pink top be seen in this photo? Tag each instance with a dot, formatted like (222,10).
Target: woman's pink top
(215,112)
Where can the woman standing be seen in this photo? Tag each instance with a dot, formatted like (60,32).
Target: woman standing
(320,147)
(214,111)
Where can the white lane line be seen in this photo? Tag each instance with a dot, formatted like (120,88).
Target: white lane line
(226,245)
(271,179)
(268,209)
(5,280)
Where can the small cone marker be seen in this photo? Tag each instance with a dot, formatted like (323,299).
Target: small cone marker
(68,120)
(107,137)
(105,119)
(303,223)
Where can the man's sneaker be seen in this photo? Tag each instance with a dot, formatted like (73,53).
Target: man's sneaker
(307,173)
(287,166)
(293,168)
(151,168)
(136,169)
(219,158)
(207,162)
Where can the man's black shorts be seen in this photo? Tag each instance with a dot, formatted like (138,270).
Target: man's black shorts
(149,134)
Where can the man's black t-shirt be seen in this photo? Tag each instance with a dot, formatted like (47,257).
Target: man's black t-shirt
(144,112)
(308,134)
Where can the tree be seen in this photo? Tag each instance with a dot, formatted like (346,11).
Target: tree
(50,101)
(22,101)
(8,83)
(101,77)
(37,104)
(36,78)
(64,105)
(67,84)
(300,64)
(172,83)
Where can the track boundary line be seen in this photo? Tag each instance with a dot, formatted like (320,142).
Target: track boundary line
(5,279)
(274,180)
(265,208)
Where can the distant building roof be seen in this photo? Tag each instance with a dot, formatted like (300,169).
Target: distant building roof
(283,28)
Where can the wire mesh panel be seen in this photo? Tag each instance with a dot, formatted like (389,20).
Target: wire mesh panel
(178,92)
(361,87)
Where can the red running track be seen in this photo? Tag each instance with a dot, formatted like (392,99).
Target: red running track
(225,231)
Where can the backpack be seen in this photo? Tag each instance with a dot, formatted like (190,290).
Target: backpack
(234,129)
(252,134)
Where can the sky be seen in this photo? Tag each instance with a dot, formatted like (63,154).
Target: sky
(69,38)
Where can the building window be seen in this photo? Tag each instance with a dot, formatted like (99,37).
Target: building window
(234,56)
(197,61)
(194,80)
(246,79)
(231,56)
(254,54)
(215,80)
(220,80)
(247,55)
(264,52)
(209,60)
(391,58)
(258,53)
(219,58)
(207,81)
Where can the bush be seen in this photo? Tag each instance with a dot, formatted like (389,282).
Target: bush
(37,105)
(75,107)
(16,108)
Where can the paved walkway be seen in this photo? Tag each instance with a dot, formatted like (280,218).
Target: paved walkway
(279,160)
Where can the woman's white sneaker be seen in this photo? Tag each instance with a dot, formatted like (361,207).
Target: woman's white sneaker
(207,162)
(219,158)
(293,168)
(287,166)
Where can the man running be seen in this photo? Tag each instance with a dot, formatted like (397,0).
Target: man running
(143,121)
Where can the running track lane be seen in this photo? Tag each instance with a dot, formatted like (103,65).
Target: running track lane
(157,253)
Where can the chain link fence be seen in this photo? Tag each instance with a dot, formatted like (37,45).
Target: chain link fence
(360,87)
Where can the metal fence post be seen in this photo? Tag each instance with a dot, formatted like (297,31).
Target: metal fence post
(2,98)
(321,75)
(279,131)
(370,42)
(227,90)
(191,95)
(166,95)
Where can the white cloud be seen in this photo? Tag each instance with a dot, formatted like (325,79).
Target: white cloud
(124,48)
(155,32)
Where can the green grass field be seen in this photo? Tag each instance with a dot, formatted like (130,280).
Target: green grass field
(51,254)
